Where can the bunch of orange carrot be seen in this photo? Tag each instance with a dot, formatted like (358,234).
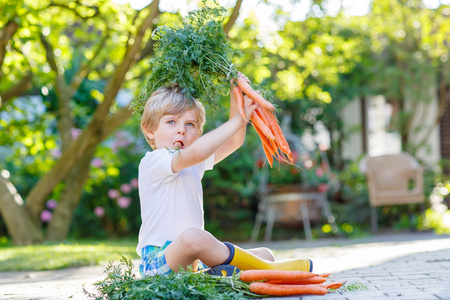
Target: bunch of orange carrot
(265,123)
(287,283)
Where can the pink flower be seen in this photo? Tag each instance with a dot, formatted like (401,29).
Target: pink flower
(124,202)
(97,162)
(99,211)
(125,188)
(319,172)
(113,194)
(75,132)
(323,187)
(134,183)
(46,216)
(51,204)
(56,153)
(323,147)
(121,141)
(295,155)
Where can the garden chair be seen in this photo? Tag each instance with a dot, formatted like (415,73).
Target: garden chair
(392,180)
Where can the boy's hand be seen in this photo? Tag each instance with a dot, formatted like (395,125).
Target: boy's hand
(249,104)
(249,108)
(245,77)
(245,108)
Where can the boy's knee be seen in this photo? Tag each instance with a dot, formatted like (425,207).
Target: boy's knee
(264,253)
(193,239)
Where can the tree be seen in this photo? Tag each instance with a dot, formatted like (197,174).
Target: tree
(410,50)
(104,42)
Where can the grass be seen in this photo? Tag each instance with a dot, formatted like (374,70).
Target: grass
(64,255)
(354,287)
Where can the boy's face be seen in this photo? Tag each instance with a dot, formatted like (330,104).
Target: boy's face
(176,131)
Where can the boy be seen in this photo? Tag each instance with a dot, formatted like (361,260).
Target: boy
(172,234)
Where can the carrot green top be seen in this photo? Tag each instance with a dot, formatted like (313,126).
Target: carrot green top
(196,55)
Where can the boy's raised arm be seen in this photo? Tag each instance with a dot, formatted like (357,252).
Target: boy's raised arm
(209,143)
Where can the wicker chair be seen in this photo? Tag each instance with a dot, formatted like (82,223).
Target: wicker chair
(392,179)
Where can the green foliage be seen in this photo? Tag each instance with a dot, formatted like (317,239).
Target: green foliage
(70,254)
(437,217)
(354,287)
(123,284)
(28,144)
(409,56)
(354,196)
(307,64)
(110,206)
(196,56)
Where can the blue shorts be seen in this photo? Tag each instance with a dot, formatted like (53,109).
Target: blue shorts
(153,261)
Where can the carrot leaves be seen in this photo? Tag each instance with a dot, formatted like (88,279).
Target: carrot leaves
(196,55)
(122,283)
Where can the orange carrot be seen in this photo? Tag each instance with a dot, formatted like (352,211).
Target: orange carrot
(240,100)
(263,288)
(332,285)
(274,143)
(270,120)
(263,127)
(247,89)
(284,146)
(325,275)
(258,275)
(268,155)
(267,147)
(261,114)
(313,280)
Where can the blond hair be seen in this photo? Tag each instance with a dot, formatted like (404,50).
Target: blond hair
(169,100)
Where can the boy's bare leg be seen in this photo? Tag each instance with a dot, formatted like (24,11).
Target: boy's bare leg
(193,244)
(262,252)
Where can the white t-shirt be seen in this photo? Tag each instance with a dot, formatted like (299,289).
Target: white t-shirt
(170,202)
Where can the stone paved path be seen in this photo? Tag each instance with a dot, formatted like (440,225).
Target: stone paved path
(412,266)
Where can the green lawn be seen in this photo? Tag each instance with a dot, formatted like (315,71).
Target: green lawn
(65,255)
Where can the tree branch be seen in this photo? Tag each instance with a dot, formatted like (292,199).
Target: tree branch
(233,17)
(64,94)
(97,10)
(83,71)
(131,57)
(6,33)
(95,131)
(17,89)
(115,121)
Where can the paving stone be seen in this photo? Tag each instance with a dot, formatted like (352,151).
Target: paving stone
(443,294)
(364,295)
(430,282)
(324,297)
(409,294)
(388,278)
(414,267)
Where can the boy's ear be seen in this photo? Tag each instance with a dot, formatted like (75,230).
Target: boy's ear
(150,135)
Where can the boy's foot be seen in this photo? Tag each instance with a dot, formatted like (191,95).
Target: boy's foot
(223,270)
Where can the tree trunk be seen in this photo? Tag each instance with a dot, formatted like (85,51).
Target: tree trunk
(20,227)
(94,132)
(59,227)
(62,217)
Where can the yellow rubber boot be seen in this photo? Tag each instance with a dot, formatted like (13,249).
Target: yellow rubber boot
(245,260)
